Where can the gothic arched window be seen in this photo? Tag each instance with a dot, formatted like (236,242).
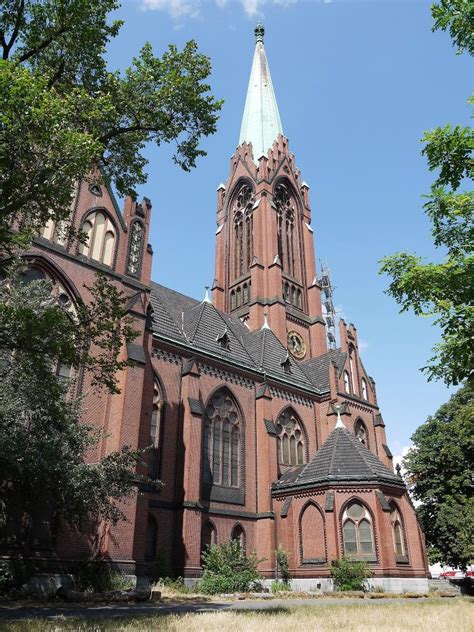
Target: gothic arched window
(243,230)
(100,237)
(55,232)
(357,530)
(238,534)
(397,531)
(208,537)
(313,545)
(347,382)
(221,441)
(364,389)
(360,432)
(353,369)
(290,439)
(285,229)
(155,429)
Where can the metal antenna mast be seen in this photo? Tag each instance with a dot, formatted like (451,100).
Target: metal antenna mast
(329,312)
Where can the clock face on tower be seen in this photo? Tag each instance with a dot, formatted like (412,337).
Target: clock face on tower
(296,344)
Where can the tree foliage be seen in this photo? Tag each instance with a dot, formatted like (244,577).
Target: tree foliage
(349,574)
(64,114)
(457,17)
(228,570)
(65,117)
(440,472)
(44,443)
(445,289)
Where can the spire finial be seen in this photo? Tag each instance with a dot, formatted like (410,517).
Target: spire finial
(206,297)
(259,32)
(338,408)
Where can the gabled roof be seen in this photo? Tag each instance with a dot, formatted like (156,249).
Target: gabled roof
(317,369)
(261,122)
(269,354)
(342,458)
(200,326)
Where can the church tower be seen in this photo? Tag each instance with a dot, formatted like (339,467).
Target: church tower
(265,262)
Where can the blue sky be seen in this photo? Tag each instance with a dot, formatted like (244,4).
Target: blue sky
(357,83)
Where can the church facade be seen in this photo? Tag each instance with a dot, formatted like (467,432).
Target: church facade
(259,430)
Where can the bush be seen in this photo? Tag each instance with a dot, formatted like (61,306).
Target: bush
(98,576)
(227,569)
(174,585)
(14,574)
(283,568)
(278,587)
(349,574)
(7,581)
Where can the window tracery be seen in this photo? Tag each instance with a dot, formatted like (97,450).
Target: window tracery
(290,439)
(99,238)
(285,229)
(135,252)
(357,530)
(243,230)
(222,441)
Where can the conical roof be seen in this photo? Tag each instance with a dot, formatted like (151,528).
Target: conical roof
(261,122)
(342,458)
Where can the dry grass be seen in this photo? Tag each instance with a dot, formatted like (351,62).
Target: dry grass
(426,616)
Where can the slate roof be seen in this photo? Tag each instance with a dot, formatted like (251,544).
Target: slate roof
(342,458)
(198,325)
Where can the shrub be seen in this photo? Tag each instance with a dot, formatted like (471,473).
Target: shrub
(227,569)
(7,581)
(280,586)
(283,569)
(98,576)
(349,574)
(173,585)
(14,574)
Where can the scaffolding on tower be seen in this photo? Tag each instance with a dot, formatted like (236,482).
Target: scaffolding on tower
(329,312)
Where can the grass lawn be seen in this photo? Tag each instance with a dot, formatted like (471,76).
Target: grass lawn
(446,615)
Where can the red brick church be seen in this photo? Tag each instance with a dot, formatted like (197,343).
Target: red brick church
(260,430)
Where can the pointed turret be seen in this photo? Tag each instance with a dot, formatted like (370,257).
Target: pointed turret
(261,122)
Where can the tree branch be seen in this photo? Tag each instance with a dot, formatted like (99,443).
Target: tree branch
(119,131)
(44,44)
(7,47)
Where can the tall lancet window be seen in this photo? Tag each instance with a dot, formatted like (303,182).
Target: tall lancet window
(221,441)
(243,230)
(285,229)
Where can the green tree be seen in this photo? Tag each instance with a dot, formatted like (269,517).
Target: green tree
(64,116)
(445,289)
(440,473)
(42,465)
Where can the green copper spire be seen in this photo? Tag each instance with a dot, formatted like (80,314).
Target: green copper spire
(261,122)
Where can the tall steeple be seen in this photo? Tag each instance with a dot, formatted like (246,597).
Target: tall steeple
(265,262)
(261,122)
